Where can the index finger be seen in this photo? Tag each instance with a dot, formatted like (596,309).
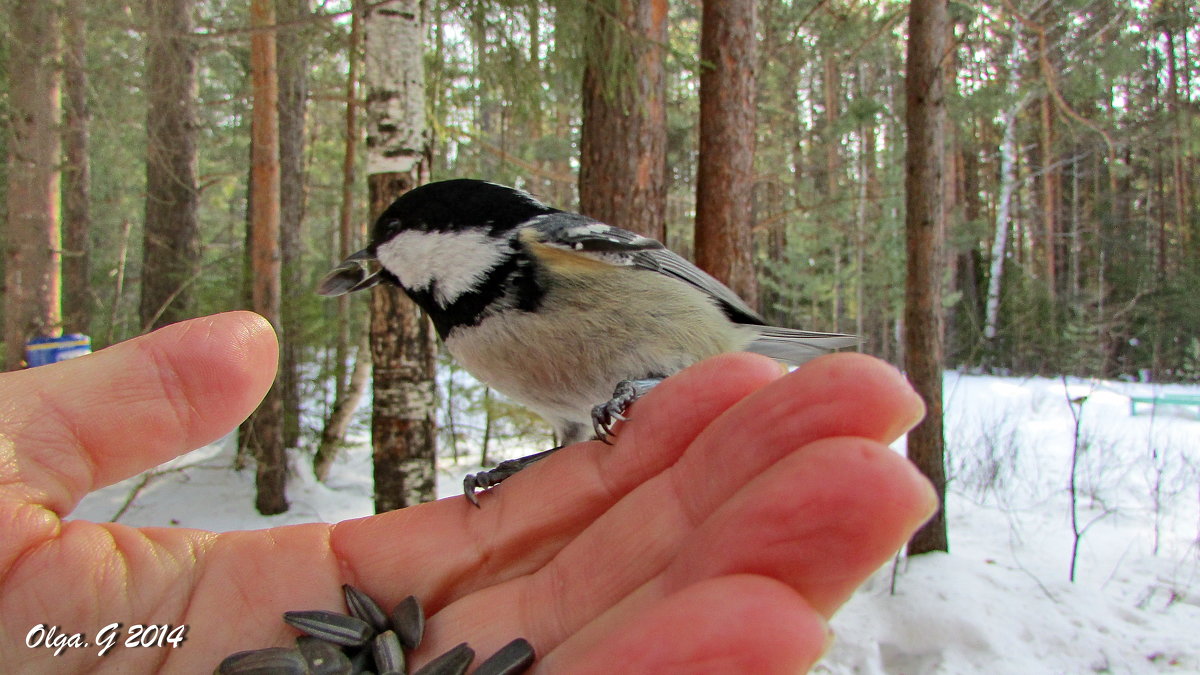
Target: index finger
(72,427)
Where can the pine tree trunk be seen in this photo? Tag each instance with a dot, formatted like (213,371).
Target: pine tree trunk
(725,180)
(32,264)
(76,185)
(403,346)
(924,224)
(266,424)
(1050,187)
(623,142)
(171,239)
(292,65)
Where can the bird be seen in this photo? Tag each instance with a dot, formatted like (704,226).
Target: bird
(568,316)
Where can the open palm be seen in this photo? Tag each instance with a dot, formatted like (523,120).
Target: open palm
(737,510)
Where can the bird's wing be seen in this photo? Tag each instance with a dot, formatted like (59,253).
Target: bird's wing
(613,245)
(616,246)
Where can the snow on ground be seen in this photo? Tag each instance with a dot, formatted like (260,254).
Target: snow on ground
(1000,602)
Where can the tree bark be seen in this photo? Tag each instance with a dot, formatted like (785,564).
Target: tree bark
(171,239)
(1008,182)
(76,185)
(344,407)
(623,142)
(32,263)
(403,347)
(265,426)
(345,393)
(725,180)
(924,227)
(292,65)
(1050,188)
(346,229)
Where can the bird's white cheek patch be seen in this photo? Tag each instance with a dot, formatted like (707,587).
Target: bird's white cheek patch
(453,262)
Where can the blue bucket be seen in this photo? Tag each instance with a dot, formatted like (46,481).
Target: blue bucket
(43,350)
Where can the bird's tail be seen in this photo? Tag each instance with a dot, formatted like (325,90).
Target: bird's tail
(797,346)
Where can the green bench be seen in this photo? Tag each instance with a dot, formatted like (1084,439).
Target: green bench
(1165,399)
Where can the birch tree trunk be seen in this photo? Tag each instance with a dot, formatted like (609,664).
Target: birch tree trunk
(171,239)
(265,426)
(623,142)
(403,346)
(1008,182)
(924,234)
(725,180)
(32,263)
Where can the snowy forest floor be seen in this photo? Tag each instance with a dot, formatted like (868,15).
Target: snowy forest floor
(999,602)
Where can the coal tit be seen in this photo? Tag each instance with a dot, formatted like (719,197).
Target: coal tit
(554,309)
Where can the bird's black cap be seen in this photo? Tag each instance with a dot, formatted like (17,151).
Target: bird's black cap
(451,205)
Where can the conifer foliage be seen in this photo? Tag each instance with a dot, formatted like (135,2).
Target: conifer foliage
(1070,174)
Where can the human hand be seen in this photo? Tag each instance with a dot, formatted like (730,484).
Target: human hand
(737,510)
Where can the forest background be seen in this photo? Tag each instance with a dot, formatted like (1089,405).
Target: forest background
(1071,174)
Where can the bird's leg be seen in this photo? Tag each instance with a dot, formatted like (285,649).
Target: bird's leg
(603,418)
(498,473)
(606,414)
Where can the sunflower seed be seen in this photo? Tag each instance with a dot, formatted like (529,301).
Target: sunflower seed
(363,607)
(361,660)
(323,657)
(340,629)
(269,661)
(513,658)
(454,662)
(389,658)
(408,620)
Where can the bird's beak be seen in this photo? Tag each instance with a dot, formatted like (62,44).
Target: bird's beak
(353,274)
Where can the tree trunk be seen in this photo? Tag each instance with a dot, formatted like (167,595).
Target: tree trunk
(171,239)
(76,264)
(1008,182)
(334,433)
(924,228)
(403,346)
(1050,188)
(623,142)
(725,180)
(292,64)
(1179,146)
(344,408)
(265,426)
(830,91)
(346,229)
(32,264)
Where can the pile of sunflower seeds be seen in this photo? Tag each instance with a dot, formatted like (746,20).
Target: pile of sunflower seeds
(366,640)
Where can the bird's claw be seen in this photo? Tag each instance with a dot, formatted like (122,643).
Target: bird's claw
(497,474)
(484,480)
(607,414)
